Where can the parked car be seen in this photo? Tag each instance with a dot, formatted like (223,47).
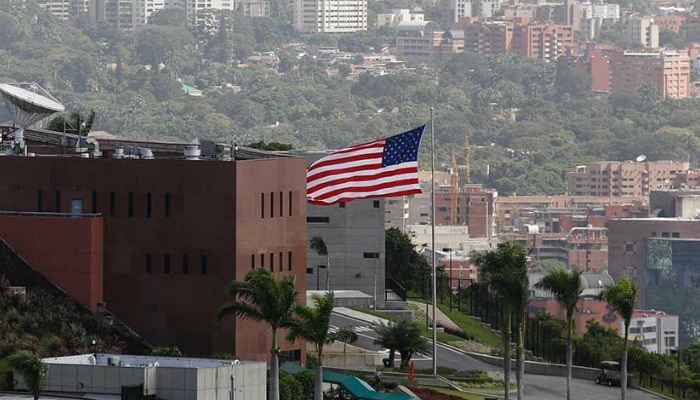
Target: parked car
(609,373)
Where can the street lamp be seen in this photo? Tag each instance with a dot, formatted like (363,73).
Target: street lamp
(449,249)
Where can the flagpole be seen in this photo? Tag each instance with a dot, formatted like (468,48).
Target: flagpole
(432,205)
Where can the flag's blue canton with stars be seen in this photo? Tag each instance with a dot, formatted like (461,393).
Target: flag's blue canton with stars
(402,148)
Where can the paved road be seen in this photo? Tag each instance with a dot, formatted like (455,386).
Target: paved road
(538,387)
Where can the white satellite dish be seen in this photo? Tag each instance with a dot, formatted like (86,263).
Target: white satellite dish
(28,103)
(641,158)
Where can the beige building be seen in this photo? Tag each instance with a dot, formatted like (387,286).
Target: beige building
(397,16)
(622,178)
(641,32)
(330,16)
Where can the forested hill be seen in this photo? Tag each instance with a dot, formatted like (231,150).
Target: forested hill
(529,121)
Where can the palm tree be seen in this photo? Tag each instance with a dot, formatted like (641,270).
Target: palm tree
(622,298)
(32,369)
(504,270)
(312,325)
(318,245)
(403,336)
(345,334)
(262,297)
(566,288)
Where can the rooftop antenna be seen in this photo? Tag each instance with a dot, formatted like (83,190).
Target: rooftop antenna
(28,103)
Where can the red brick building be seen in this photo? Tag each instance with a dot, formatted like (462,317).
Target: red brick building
(157,239)
(475,209)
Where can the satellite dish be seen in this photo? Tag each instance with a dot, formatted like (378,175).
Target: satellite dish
(28,103)
(641,158)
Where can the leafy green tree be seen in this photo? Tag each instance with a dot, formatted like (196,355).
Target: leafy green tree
(75,123)
(312,324)
(318,245)
(599,343)
(174,16)
(567,288)
(272,146)
(622,298)
(165,352)
(262,297)
(291,388)
(504,270)
(403,336)
(345,334)
(31,368)
(403,262)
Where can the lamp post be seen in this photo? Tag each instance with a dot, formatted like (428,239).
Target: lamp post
(449,287)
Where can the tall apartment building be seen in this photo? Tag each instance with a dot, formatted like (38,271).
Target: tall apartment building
(626,178)
(543,41)
(453,10)
(641,32)
(330,16)
(595,18)
(124,14)
(58,8)
(667,70)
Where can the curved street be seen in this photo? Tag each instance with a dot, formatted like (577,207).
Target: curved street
(539,387)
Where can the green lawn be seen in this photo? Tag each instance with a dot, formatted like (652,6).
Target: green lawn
(441,336)
(468,324)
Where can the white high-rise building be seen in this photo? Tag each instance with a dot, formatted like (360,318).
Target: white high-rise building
(642,32)
(64,9)
(125,14)
(330,16)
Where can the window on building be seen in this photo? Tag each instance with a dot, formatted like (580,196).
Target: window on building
(203,264)
(370,255)
(290,203)
(185,264)
(166,263)
(58,201)
(131,205)
(252,261)
(629,248)
(375,204)
(149,263)
(272,204)
(112,204)
(94,202)
(262,205)
(166,207)
(309,271)
(341,205)
(272,262)
(39,200)
(289,261)
(149,205)
(670,341)
(675,235)
(317,220)
(281,205)
(280,262)
(262,260)
(665,235)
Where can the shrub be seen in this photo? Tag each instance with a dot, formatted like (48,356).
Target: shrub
(307,379)
(290,388)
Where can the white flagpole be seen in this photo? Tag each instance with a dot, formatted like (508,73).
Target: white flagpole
(432,201)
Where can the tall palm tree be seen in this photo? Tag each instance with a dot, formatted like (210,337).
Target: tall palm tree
(318,245)
(504,270)
(622,298)
(262,297)
(403,336)
(312,325)
(566,288)
(31,368)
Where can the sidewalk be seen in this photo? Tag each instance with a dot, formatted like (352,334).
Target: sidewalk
(442,319)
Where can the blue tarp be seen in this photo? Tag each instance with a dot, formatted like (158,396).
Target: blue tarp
(356,386)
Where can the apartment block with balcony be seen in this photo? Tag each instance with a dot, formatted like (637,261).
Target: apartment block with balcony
(425,41)
(489,37)
(330,16)
(626,178)
(543,41)
(667,70)
(641,32)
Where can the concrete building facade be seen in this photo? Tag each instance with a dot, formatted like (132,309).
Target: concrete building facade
(161,377)
(655,331)
(399,15)
(424,41)
(622,178)
(641,32)
(354,234)
(546,42)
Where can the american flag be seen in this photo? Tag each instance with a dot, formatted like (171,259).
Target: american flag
(382,168)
